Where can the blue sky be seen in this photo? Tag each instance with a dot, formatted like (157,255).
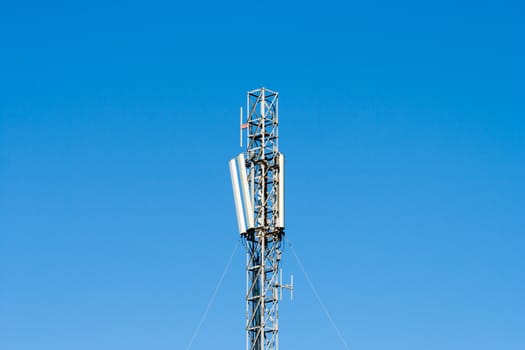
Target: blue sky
(403,126)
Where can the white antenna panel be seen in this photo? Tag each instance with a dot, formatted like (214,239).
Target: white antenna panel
(237,197)
(246,193)
(280,197)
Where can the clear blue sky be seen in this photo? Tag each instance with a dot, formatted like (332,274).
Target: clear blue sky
(403,124)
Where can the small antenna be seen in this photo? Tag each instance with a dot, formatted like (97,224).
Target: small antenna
(240,126)
(281,283)
(291,289)
(282,286)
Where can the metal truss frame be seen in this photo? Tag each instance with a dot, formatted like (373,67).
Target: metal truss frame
(263,241)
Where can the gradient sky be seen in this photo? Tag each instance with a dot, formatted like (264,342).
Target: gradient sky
(403,124)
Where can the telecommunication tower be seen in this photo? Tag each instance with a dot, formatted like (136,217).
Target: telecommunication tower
(258,188)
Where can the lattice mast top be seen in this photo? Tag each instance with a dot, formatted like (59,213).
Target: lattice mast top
(259,175)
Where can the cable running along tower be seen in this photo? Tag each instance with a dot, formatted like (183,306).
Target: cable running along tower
(258,188)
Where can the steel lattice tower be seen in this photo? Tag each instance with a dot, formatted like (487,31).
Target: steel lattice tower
(260,179)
